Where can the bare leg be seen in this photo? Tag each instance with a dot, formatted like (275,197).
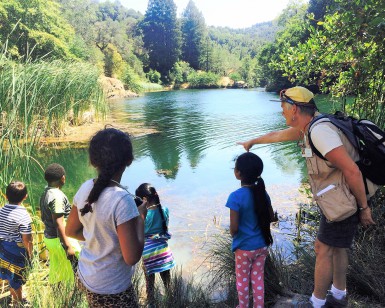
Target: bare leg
(340,267)
(17,295)
(323,273)
(166,278)
(150,284)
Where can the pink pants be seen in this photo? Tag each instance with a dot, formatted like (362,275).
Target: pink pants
(249,267)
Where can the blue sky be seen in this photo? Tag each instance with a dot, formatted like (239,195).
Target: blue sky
(230,13)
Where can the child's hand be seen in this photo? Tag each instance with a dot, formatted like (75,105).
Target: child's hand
(143,209)
(71,254)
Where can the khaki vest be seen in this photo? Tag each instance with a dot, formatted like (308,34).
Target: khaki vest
(322,174)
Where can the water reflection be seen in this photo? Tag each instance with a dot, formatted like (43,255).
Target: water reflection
(190,160)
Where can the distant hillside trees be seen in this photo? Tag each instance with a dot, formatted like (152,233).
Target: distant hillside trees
(193,36)
(161,35)
(35,25)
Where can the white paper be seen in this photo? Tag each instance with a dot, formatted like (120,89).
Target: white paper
(326,189)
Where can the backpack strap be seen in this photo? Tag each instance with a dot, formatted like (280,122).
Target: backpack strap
(315,121)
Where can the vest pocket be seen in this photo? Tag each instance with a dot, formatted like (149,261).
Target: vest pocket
(336,202)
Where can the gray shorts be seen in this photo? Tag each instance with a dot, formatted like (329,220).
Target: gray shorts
(338,234)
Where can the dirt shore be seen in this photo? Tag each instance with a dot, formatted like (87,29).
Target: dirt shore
(83,133)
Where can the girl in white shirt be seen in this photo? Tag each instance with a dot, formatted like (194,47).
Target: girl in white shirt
(105,217)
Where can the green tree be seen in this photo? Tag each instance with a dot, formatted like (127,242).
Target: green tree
(193,35)
(35,29)
(344,55)
(161,35)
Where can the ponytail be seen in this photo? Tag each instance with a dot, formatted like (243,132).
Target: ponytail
(110,151)
(262,209)
(148,191)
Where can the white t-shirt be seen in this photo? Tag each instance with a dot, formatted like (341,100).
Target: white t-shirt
(325,138)
(101,265)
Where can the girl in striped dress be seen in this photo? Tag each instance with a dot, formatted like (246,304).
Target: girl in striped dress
(157,256)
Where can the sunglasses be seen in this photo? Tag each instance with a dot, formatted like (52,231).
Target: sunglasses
(284,98)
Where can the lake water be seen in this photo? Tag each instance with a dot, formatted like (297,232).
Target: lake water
(190,160)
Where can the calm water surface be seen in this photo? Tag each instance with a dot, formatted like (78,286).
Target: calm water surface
(190,160)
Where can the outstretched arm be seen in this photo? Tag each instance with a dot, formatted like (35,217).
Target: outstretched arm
(288,134)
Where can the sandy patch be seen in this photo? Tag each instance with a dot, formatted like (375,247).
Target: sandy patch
(84,132)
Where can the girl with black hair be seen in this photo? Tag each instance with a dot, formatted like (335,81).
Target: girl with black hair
(250,218)
(157,256)
(105,217)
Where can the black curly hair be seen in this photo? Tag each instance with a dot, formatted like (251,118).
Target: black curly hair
(110,150)
(54,172)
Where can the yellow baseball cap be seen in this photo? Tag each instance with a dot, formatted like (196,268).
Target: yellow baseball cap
(297,95)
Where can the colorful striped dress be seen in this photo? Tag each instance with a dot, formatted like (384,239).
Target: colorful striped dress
(157,255)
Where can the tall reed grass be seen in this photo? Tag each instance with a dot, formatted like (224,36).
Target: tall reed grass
(39,98)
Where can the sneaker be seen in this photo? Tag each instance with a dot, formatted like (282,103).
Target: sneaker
(332,302)
(304,303)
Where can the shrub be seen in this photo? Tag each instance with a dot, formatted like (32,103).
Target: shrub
(180,72)
(131,80)
(203,80)
(154,76)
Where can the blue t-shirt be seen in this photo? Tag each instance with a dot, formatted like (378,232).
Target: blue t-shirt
(154,223)
(249,235)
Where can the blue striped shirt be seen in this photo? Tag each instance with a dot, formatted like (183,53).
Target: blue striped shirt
(14,221)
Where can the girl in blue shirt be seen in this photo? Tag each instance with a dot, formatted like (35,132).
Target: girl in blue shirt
(250,217)
(157,256)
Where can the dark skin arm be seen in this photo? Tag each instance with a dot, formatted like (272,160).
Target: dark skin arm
(234,222)
(74,227)
(131,236)
(28,243)
(58,220)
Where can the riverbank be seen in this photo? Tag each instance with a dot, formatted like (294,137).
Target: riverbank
(84,132)
(113,90)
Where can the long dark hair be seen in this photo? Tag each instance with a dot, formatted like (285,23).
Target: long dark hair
(110,150)
(149,191)
(250,167)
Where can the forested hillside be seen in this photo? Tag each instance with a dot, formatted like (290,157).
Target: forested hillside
(331,46)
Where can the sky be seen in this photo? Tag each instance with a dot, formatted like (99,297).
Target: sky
(225,13)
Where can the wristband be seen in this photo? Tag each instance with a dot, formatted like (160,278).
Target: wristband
(363,208)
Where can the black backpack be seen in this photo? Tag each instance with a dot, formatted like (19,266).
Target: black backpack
(366,137)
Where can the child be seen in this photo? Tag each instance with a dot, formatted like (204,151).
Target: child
(105,217)
(55,208)
(250,217)
(15,239)
(157,257)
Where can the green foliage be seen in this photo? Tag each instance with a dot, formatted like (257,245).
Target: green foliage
(193,35)
(344,55)
(153,76)
(235,76)
(131,80)
(38,99)
(161,35)
(35,29)
(203,80)
(293,20)
(150,87)
(114,65)
(180,72)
